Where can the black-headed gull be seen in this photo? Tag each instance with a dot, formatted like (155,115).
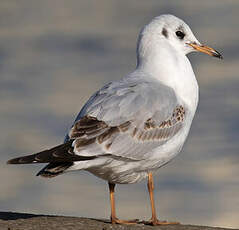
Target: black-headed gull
(130,128)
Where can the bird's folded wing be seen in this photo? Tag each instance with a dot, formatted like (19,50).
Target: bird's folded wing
(127,120)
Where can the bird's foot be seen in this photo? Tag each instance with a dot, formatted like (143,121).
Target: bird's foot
(155,222)
(118,221)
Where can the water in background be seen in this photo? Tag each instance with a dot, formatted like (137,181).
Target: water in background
(55,54)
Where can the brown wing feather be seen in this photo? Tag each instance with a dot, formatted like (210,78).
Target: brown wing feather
(164,130)
(89,130)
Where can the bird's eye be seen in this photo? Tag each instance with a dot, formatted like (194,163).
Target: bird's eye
(180,34)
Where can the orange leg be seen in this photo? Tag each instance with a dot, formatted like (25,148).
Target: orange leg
(154,220)
(114,219)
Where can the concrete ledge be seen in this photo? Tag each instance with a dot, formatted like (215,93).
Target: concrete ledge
(20,221)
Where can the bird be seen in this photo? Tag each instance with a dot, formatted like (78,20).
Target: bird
(131,127)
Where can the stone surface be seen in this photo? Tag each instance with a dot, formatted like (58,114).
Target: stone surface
(18,221)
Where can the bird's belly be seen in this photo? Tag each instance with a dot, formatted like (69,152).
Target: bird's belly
(123,172)
(127,172)
(119,172)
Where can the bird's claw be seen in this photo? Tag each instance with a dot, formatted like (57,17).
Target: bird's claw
(155,222)
(128,222)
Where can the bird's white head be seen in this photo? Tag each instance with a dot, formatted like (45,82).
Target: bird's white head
(174,33)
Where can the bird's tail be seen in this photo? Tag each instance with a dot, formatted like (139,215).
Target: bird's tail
(59,158)
(60,154)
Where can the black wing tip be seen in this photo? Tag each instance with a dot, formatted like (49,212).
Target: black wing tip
(54,169)
(13,161)
(23,160)
(47,174)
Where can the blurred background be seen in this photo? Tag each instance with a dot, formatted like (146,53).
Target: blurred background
(55,54)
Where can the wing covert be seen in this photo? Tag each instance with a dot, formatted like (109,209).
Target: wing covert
(127,120)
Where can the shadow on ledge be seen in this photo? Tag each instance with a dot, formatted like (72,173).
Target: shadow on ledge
(16,216)
(25,221)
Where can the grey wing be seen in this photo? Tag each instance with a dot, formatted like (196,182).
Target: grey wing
(127,119)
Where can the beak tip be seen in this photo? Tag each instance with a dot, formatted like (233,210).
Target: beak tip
(217,55)
(206,49)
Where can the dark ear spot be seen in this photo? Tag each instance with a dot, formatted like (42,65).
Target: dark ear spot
(165,32)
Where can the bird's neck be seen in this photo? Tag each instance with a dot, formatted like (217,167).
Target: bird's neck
(172,68)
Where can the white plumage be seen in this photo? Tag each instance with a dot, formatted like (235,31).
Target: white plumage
(131,127)
(162,80)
